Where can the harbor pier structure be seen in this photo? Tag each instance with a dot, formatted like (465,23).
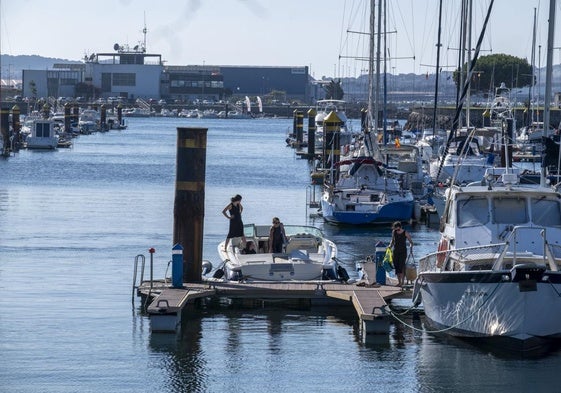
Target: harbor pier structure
(169,302)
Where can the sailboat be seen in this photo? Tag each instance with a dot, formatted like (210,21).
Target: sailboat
(495,276)
(361,189)
(462,159)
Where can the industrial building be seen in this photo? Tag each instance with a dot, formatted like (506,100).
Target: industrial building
(131,73)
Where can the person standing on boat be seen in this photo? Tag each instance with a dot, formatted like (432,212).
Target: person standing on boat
(277,236)
(235,209)
(399,244)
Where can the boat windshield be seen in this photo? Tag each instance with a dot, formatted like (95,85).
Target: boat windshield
(252,230)
(546,212)
(472,211)
(291,230)
(509,211)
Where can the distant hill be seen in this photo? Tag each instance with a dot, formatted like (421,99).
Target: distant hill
(15,64)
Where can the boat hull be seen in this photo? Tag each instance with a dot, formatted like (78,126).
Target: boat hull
(396,211)
(492,305)
(282,271)
(42,143)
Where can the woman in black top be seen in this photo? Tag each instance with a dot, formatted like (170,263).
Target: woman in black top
(277,237)
(399,238)
(235,209)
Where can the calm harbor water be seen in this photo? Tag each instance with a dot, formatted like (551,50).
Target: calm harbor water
(72,221)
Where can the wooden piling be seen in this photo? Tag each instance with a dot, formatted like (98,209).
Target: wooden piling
(75,113)
(5,129)
(120,114)
(299,127)
(103,118)
(16,125)
(189,206)
(331,142)
(67,118)
(311,133)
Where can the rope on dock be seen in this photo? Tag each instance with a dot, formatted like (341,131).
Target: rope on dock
(396,316)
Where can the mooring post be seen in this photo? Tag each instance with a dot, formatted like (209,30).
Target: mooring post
(299,128)
(311,133)
(5,129)
(332,144)
(67,118)
(16,125)
(103,118)
(189,206)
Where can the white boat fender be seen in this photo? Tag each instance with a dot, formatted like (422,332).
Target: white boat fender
(342,273)
(207,267)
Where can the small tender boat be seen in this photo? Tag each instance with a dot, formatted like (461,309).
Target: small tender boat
(43,135)
(307,255)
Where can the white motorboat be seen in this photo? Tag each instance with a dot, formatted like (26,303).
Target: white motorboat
(464,162)
(307,255)
(89,121)
(496,273)
(43,135)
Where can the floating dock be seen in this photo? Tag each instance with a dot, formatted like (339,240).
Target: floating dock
(168,305)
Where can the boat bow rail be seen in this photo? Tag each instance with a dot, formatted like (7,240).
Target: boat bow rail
(497,256)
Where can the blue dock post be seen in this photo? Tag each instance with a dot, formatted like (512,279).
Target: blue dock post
(177,266)
(380,271)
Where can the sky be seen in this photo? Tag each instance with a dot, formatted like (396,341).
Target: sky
(310,33)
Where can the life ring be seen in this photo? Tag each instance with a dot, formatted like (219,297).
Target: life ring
(441,256)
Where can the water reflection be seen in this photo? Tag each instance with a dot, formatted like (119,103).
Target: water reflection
(183,360)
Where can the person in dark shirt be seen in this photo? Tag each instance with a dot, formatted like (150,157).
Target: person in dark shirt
(277,236)
(235,210)
(249,248)
(399,244)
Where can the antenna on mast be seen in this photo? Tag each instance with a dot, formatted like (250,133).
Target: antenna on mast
(144,31)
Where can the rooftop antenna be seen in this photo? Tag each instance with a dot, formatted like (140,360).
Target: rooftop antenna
(144,31)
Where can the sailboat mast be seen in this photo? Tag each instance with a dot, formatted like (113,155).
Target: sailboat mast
(378,55)
(438,45)
(530,117)
(462,67)
(548,75)
(384,109)
(469,29)
(371,66)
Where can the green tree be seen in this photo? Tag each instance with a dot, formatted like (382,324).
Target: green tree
(490,71)
(333,90)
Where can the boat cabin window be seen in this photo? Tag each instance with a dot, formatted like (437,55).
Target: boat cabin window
(509,211)
(472,212)
(546,212)
(43,130)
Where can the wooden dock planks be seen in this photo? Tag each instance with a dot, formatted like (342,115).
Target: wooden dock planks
(369,301)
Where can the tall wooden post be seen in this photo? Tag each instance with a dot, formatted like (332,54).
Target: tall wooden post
(103,118)
(189,206)
(67,118)
(75,113)
(311,133)
(299,127)
(16,125)
(5,129)
(332,144)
